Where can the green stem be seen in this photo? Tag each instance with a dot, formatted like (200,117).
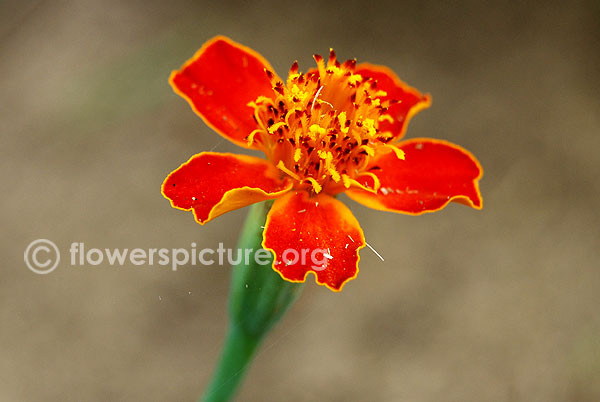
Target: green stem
(237,354)
(258,298)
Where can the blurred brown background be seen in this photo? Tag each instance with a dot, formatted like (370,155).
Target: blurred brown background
(497,305)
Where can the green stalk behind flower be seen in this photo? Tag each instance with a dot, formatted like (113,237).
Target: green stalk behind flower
(258,298)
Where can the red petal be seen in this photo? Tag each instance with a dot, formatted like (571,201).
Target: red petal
(320,226)
(434,173)
(211,184)
(219,81)
(411,100)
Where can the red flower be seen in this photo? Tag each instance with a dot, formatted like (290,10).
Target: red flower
(334,129)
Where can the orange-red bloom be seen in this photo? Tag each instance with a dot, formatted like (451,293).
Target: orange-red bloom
(334,129)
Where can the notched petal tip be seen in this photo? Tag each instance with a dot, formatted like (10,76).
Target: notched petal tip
(434,174)
(219,81)
(211,184)
(321,231)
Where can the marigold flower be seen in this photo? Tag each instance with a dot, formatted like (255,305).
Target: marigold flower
(333,129)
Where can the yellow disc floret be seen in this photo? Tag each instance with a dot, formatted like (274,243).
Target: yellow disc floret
(321,128)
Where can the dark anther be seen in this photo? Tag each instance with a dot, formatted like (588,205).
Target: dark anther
(294,68)
(279,88)
(350,64)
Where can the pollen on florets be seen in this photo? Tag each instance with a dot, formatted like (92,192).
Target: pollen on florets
(321,128)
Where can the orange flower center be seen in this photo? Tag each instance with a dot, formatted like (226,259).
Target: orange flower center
(322,127)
